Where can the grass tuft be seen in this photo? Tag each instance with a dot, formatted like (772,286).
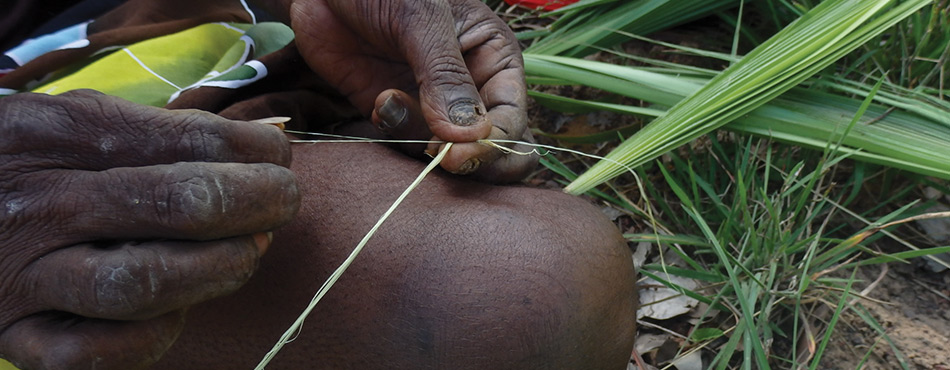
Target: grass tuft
(773,234)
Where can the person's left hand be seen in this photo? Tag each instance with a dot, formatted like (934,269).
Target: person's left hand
(116,217)
(425,69)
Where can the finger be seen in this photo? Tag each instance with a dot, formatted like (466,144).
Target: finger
(494,59)
(512,167)
(488,44)
(141,280)
(507,103)
(196,201)
(353,66)
(399,116)
(91,131)
(490,163)
(450,101)
(302,109)
(468,158)
(56,341)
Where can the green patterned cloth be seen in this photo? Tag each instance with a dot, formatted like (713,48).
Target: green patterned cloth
(156,71)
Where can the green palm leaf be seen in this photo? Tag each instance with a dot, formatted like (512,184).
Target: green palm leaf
(817,39)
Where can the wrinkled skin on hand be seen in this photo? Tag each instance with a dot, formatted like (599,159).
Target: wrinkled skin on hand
(189,194)
(425,69)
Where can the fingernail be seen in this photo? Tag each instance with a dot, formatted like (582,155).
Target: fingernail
(465,112)
(273,121)
(392,113)
(468,167)
(262,241)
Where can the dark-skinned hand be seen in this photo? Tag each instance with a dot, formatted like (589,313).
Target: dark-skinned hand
(424,69)
(116,217)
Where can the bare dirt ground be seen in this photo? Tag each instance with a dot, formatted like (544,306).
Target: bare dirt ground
(914,311)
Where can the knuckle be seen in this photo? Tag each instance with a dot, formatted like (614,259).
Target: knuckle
(477,17)
(192,135)
(195,136)
(191,201)
(15,207)
(25,118)
(123,286)
(199,144)
(447,71)
(486,30)
(28,209)
(42,124)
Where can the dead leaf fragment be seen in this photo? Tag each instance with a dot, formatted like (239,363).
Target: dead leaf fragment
(659,302)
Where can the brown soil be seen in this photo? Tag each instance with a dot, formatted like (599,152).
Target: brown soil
(914,313)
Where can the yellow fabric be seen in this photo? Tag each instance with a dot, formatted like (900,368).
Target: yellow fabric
(150,71)
(4,365)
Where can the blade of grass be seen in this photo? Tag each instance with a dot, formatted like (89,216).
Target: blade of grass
(842,304)
(605,20)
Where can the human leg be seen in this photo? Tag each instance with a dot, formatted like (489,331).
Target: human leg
(462,275)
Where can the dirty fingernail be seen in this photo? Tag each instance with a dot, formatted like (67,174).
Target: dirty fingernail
(273,121)
(262,241)
(392,113)
(468,167)
(465,112)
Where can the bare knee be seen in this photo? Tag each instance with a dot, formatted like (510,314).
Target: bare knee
(468,275)
(557,281)
(462,275)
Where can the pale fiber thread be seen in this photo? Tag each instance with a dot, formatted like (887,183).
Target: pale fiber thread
(490,142)
(296,327)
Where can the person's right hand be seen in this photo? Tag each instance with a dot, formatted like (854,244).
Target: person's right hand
(425,70)
(115,217)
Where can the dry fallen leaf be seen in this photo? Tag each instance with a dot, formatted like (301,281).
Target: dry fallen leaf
(658,301)
(640,254)
(689,361)
(649,342)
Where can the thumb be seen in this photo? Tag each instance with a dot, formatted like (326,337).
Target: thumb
(424,34)
(451,104)
(420,34)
